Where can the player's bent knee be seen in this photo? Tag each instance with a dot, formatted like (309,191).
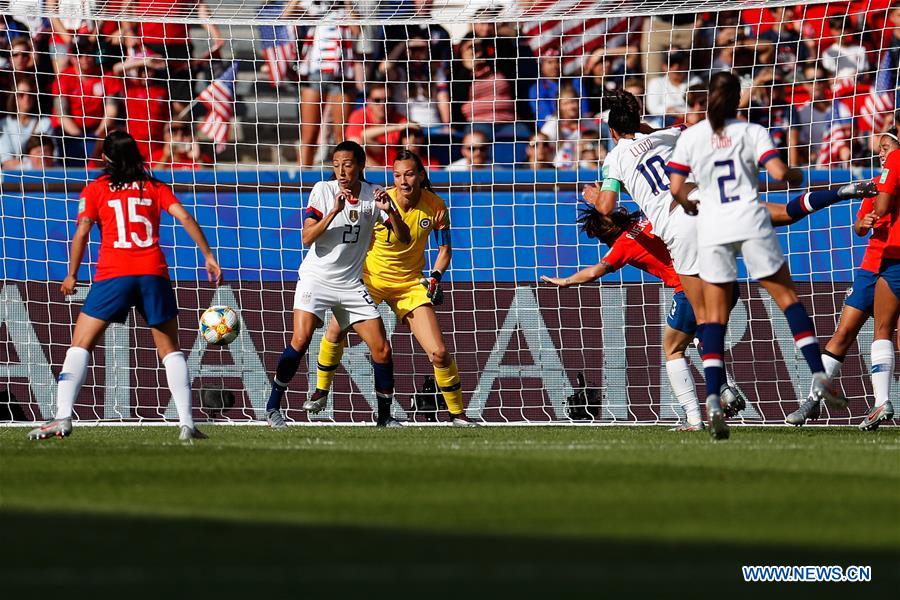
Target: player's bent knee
(440,357)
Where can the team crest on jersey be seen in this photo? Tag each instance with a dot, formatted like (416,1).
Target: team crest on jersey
(425,223)
(354,215)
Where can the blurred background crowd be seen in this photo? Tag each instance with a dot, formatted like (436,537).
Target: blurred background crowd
(821,78)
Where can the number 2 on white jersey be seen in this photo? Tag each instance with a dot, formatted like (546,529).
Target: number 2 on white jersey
(133,217)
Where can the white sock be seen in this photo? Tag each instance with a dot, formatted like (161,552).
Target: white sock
(74,370)
(832,366)
(882,370)
(180,386)
(682,381)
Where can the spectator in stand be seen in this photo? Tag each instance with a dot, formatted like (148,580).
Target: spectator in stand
(566,126)
(39,154)
(814,119)
(66,27)
(770,109)
(476,153)
(635,87)
(146,100)
(605,72)
(377,128)
(86,107)
(415,141)
(419,86)
(847,52)
(21,68)
(440,48)
(483,96)
(666,93)
(180,150)
(329,72)
(662,33)
(785,36)
(696,98)
(591,153)
(22,123)
(172,42)
(544,93)
(540,152)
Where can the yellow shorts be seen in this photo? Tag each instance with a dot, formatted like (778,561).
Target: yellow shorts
(403,298)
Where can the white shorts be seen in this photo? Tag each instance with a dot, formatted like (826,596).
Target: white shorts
(763,257)
(681,240)
(349,305)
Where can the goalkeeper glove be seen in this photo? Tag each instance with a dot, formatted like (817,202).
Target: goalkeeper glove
(433,289)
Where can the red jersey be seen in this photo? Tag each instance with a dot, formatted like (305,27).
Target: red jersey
(147,113)
(889,183)
(159,32)
(84,96)
(877,239)
(129,226)
(639,248)
(383,150)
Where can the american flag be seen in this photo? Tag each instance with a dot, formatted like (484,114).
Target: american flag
(575,39)
(218,98)
(279,44)
(837,137)
(881,100)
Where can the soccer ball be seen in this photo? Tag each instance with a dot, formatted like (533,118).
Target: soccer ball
(220,325)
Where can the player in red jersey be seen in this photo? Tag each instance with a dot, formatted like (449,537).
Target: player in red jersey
(860,301)
(632,242)
(126,202)
(887,289)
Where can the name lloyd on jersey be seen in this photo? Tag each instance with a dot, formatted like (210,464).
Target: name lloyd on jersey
(641,147)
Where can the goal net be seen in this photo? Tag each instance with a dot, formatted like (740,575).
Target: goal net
(238,104)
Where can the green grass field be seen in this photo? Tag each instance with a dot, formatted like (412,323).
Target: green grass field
(531,510)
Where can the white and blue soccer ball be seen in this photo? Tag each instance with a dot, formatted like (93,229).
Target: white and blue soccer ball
(220,325)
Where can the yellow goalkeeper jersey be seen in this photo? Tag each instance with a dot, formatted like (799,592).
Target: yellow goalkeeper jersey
(393,262)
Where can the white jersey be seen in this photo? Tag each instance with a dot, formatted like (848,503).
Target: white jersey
(726,169)
(640,165)
(336,258)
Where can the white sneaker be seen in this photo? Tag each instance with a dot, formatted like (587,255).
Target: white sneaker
(464,421)
(275,419)
(54,428)
(824,390)
(189,434)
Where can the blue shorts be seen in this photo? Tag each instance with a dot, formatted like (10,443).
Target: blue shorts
(681,315)
(112,299)
(890,272)
(861,295)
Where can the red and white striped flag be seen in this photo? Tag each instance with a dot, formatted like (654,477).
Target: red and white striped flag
(576,39)
(837,138)
(279,45)
(218,98)
(882,98)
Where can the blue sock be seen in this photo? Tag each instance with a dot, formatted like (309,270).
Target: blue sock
(287,368)
(805,336)
(810,202)
(384,387)
(714,357)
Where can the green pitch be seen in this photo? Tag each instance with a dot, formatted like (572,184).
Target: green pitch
(531,510)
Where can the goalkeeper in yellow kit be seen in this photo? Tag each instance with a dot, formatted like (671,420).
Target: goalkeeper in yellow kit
(393,272)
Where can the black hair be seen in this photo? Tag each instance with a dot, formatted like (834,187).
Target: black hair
(359,155)
(624,112)
(405,154)
(124,162)
(723,100)
(606,228)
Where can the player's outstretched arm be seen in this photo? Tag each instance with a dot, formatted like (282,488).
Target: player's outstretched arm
(583,276)
(778,170)
(193,229)
(79,244)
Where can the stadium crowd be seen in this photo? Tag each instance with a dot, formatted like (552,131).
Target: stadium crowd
(821,79)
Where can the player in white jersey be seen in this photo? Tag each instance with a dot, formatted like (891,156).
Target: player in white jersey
(337,228)
(724,155)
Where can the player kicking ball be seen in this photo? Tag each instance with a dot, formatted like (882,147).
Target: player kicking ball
(337,228)
(126,202)
(394,273)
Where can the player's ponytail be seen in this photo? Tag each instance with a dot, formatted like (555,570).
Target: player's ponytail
(606,228)
(124,162)
(405,154)
(624,112)
(724,99)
